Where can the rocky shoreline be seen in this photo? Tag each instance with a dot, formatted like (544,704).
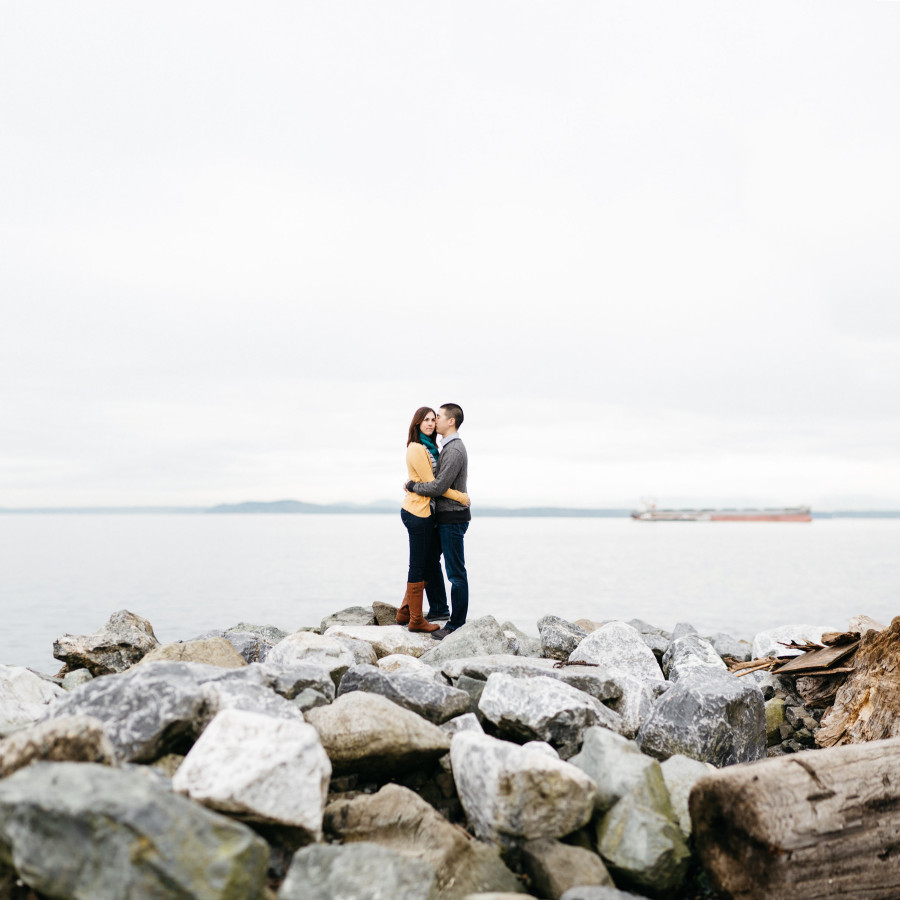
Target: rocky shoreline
(355,759)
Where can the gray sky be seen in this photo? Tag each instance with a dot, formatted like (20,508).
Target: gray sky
(651,249)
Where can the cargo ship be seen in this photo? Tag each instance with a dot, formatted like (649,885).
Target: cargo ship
(783,514)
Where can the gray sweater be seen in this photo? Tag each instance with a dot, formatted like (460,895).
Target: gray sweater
(452,472)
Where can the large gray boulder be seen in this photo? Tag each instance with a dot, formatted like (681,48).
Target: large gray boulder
(24,698)
(260,769)
(542,709)
(481,637)
(559,637)
(689,653)
(619,647)
(69,739)
(618,768)
(433,701)
(289,681)
(368,733)
(224,692)
(147,712)
(410,665)
(510,793)
(83,830)
(400,820)
(303,646)
(352,615)
(356,872)
(386,640)
(117,646)
(634,701)
(553,867)
(709,716)
(644,849)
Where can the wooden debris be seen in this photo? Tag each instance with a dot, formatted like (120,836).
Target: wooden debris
(803,827)
(818,658)
(867,706)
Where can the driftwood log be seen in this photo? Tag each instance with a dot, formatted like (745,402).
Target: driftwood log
(824,823)
(867,705)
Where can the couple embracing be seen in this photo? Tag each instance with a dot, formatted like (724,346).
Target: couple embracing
(436,515)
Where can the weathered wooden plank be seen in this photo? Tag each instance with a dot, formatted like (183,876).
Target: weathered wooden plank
(817,659)
(819,824)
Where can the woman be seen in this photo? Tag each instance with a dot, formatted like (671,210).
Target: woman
(418,517)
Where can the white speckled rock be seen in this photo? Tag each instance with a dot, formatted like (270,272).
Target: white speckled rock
(400,662)
(386,640)
(24,697)
(482,637)
(306,645)
(619,647)
(688,653)
(115,647)
(260,769)
(510,793)
(69,739)
(542,709)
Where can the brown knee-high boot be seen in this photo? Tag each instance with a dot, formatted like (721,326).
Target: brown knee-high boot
(417,622)
(403,612)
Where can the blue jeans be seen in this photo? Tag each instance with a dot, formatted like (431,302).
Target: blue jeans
(420,534)
(455,560)
(434,579)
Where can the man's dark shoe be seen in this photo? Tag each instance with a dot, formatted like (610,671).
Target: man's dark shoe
(440,634)
(438,616)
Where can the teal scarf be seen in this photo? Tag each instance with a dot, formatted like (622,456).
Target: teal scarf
(429,444)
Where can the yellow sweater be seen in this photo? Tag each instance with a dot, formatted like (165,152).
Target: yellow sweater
(418,463)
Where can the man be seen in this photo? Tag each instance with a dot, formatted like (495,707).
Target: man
(452,518)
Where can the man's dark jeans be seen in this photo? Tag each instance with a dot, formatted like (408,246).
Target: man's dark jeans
(455,560)
(434,580)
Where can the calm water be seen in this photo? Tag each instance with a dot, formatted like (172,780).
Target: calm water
(189,574)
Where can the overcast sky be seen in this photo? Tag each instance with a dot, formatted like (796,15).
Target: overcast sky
(650,248)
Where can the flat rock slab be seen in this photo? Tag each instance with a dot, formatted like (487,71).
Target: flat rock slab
(510,793)
(69,739)
(272,634)
(259,769)
(117,646)
(356,872)
(386,640)
(592,892)
(85,830)
(24,698)
(482,667)
(619,647)
(539,708)
(216,651)
(368,733)
(402,821)
(425,697)
(710,716)
(400,662)
(482,637)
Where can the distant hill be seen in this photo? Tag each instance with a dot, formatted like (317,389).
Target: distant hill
(297,506)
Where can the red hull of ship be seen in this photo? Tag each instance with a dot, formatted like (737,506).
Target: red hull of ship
(750,517)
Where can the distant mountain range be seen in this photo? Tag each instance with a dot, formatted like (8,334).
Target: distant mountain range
(378,507)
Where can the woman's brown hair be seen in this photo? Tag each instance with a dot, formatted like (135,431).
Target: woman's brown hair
(417,419)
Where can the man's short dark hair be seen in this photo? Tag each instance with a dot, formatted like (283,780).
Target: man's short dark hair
(453,411)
